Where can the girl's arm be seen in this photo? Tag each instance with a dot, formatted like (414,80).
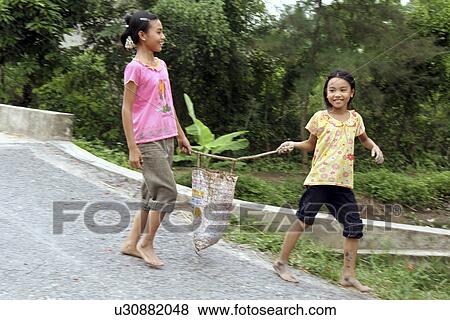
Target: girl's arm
(369,144)
(129,94)
(307,145)
(183,142)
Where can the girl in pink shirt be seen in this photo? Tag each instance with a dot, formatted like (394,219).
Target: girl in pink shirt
(150,124)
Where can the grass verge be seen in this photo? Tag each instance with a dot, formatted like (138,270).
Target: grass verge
(391,277)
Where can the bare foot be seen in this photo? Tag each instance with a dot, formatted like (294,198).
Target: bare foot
(283,271)
(353,282)
(148,254)
(130,250)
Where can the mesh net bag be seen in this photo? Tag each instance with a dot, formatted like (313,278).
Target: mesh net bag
(212,200)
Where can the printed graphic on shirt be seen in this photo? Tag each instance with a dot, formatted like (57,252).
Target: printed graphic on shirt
(162,95)
(333,158)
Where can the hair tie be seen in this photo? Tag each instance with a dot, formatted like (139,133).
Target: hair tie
(129,44)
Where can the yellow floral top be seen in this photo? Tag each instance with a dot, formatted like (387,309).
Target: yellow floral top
(333,158)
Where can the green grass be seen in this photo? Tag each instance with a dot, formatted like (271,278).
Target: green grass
(97,147)
(392,277)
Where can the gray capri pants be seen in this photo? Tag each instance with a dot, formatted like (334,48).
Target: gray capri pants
(159,190)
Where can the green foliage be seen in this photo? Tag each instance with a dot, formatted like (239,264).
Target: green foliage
(211,54)
(391,277)
(31,32)
(201,133)
(197,52)
(431,17)
(244,16)
(83,88)
(207,143)
(98,148)
(251,188)
(289,164)
(38,22)
(425,189)
(14,78)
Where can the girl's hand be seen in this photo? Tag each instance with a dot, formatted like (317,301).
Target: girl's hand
(286,147)
(135,158)
(378,154)
(184,145)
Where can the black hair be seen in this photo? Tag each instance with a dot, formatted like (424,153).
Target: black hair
(138,21)
(341,75)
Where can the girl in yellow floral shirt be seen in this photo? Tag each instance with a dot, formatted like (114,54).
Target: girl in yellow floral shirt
(330,181)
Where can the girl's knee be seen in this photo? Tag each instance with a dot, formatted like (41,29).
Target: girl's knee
(299,226)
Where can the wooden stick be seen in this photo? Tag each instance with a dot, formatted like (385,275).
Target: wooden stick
(257,155)
(213,156)
(235,159)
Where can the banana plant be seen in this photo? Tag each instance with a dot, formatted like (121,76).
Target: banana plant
(206,140)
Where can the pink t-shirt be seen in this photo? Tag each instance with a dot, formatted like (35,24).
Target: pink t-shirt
(153,111)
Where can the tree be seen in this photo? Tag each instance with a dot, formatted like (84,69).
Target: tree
(31,32)
(374,41)
(206,59)
(430,19)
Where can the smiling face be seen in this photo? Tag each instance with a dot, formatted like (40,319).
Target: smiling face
(153,39)
(339,93)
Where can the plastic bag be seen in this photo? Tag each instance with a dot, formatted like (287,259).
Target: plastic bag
(212,199)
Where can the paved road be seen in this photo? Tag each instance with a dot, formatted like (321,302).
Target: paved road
(81,264)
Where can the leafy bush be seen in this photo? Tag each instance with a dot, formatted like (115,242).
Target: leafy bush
(85,89)
(421,189)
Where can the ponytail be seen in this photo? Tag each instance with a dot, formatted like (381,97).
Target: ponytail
(138,21)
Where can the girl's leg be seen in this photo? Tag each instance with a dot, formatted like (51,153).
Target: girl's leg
(348,273)
(137,228)
(309,204)
(346,211)
(290,239)
(159,192)
(145,247)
